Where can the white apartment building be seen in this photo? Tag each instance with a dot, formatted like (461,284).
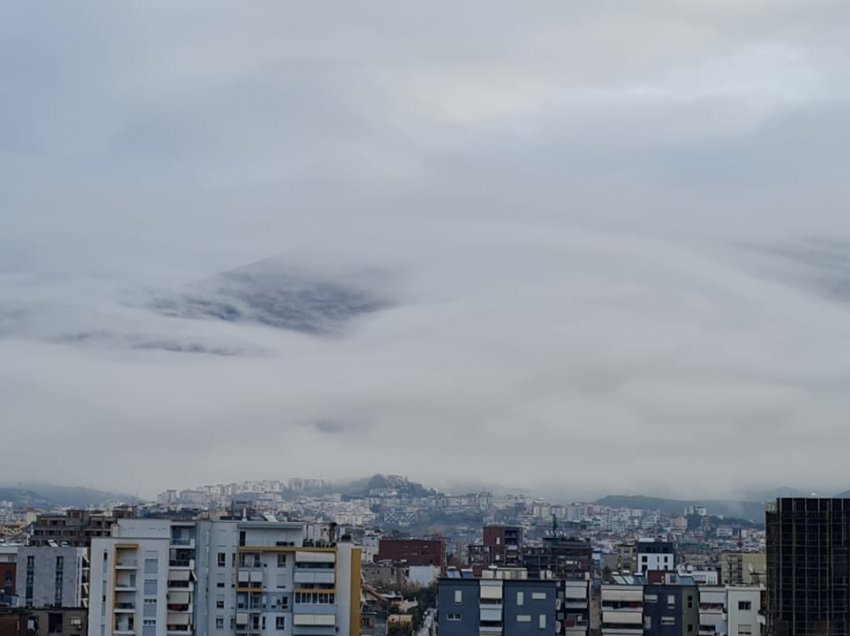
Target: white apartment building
(730,611)
(622,610)
(221,578)
(652,554)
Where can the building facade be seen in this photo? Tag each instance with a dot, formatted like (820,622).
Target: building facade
(497,607)
(52,576)
(413,552)
(242,578)
(808,567)
(75,528)
(654,555)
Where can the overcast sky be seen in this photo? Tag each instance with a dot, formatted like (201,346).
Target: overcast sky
(612,238)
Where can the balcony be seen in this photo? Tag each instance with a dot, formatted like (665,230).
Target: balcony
(182,542)
(125,608)
(126,564)
(182,563)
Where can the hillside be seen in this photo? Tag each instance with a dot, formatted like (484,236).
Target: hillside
(749,510)
(50,496)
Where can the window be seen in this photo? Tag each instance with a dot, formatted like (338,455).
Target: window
(151,566)
(647,622)
(745,606)
(650,598)
(149,621)
(219,622)
(150,587)
(280,622)
(281,560)
(690,628)
(668,620)
(745,630)
(222,559)
(219,602)
(690,601)
(538,596)
(453,617)
(458,597)
(541,621)
(671,600)
(520,598)
(523,618)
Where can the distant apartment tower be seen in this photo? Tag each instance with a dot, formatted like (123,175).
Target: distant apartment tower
(211,578)
(808,567)
(509,607)
(654,555)
(75,528)
(560,557)
(52,576)
(501,546)
(743,568)
(413,552)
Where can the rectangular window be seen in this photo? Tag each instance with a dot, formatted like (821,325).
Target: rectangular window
(458,597)
(149,621)
(541,621)
(454,617)
(650,598)
(150,587)
(668,620)
(281,559)
(690,629)
(671,600)
(647,622)
(745,630)
(523,618)
(222,559)
(690,601)
(219,601)
(151,566)
(520,598)
(538,596)
(280,622)
(745,606)
(219,622)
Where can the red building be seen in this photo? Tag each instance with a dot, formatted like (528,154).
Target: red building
(7,579)
(413,552)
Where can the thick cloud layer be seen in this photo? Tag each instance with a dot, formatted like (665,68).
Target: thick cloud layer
(588,246)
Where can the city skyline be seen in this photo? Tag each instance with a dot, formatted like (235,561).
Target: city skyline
(578,246)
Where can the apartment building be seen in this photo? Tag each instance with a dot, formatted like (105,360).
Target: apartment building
(560,557)
(654,555)
(413,552)
(75,528)
(497,607)
(743,568)
(52,576)
(156,577)
(731,611)
(621,607)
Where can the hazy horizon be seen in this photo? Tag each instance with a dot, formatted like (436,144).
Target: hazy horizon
(576,245)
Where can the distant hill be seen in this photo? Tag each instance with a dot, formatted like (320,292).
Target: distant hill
(26,498)
(749,510)
(405,488)
(50,496)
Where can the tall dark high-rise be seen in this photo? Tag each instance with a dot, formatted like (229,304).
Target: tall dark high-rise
(808,565)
